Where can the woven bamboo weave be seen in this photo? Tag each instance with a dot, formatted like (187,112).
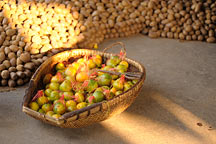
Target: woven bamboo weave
(88,115)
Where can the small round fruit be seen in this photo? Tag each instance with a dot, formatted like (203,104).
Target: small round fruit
(71,108)
(54,95)
(81,105)
(50,113)
(54,85)
(70,103)
(59,108)
(56,116)
(81,60)
(42,100)
(118,93)
(99,96)
(70,71)
(134,81)
(124,63)
(104,79)
(68,95)
(91,64)
(81,76)
(34,106)
(65,86)
(79,97)
(41,111)
(47,107)
(97,59)
(113,90)
(48,92)
(121,68)
(60,66)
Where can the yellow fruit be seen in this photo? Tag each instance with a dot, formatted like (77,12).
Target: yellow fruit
(113,90)
(124,63)
(81,76)
(34,106)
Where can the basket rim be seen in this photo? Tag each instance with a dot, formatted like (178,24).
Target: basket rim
(68,115)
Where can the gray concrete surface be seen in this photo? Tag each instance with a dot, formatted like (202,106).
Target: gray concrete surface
(179,92)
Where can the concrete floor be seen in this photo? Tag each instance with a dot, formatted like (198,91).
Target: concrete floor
(176,105)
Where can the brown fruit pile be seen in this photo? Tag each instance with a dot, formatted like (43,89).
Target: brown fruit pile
(30,28)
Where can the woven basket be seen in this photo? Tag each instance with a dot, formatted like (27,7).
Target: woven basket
(88,115)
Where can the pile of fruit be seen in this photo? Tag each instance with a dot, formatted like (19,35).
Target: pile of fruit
(80,83)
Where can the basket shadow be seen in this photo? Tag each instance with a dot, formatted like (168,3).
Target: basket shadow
(147,107)
(95,133)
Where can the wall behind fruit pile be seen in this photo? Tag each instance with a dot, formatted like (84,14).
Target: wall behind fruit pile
(30,28)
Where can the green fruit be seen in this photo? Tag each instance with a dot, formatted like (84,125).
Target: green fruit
(42,100)
(70,103)
(68,95)
(41,111)
(60,66)
(81,105)
(113,61)
(118,84)
(97,59)
(98,96)
(109,96)
(79,97)
(126,86)
(34,106)
(54,85)
(47,78)
(121,68)
(105,87)
(47,107)
(48,92)
(50,113)
(118,93)
(99,89)
(92,85)
(56,116)
(54,96)
(65,86)
(59,108)
(104,79)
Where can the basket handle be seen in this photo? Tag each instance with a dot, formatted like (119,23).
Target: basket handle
(123,49)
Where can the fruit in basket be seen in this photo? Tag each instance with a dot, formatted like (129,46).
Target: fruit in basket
(59,108)
(91,64)
(79,97)
(50,113)
(68,95)
(119,83)
(54,85)
(98,96)
(56,116)
(104,79)
(34,106)
(65,86)
(70,71)
(48,92)
(41,111)
(82,76)
(90,85)
(60,66)
(113,61)
(121,68)
(46,107)
(78,85)
(81,105)
(42,100)
(54,96)
(97,59)
(125,63)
